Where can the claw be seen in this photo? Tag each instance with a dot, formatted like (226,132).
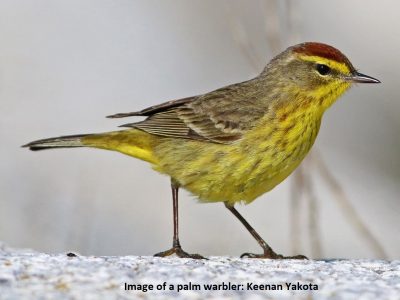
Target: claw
(179,252)
(271,256)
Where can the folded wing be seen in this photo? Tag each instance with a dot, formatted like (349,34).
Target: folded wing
(222,116)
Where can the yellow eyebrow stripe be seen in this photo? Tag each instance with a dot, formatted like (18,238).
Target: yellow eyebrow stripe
(341,67)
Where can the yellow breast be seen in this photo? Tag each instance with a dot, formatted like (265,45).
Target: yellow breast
(242,171)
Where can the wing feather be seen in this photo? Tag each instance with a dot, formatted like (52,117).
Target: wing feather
(222,116)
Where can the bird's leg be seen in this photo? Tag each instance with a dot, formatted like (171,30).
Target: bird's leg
(268,252)
(176,246)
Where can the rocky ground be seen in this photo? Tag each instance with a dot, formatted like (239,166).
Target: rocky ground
(26,274)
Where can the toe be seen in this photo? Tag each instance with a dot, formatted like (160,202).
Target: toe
(298,257)
(271,256)
(178,252)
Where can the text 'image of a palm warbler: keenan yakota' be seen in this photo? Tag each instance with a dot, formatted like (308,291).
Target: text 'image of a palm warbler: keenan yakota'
(237,142)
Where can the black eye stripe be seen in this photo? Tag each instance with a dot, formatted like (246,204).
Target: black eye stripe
(323,69)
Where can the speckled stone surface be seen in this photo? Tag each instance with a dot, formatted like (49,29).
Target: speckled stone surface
(26,274)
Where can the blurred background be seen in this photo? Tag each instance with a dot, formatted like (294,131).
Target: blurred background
(64,65)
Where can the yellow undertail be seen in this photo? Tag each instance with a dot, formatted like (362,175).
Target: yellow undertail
(131,142)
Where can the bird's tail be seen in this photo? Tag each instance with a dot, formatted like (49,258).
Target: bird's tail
(131,142)
(67,141)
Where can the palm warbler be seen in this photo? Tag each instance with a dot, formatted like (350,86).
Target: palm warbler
(237,142)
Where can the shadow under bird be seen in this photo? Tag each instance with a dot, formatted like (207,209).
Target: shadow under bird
(237,142)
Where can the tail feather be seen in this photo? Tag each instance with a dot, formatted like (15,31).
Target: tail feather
(131,142)
(68,141)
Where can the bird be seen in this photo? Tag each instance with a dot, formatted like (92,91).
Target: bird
(235,143)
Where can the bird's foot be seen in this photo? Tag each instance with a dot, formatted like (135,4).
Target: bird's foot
(271,255)
(179,252)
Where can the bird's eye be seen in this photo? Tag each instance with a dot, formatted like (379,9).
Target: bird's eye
(323,69)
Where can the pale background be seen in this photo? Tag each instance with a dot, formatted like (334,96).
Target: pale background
(64,65)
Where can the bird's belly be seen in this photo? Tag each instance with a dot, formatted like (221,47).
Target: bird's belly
(231,173)
(246,178)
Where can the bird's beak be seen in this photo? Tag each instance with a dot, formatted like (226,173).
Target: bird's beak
(361,78)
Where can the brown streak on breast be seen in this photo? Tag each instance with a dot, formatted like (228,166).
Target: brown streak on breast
(255,165)
(287,129)
(283,117)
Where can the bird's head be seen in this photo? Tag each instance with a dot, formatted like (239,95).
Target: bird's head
(314,72)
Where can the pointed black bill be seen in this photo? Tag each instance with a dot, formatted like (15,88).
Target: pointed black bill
(361,78)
